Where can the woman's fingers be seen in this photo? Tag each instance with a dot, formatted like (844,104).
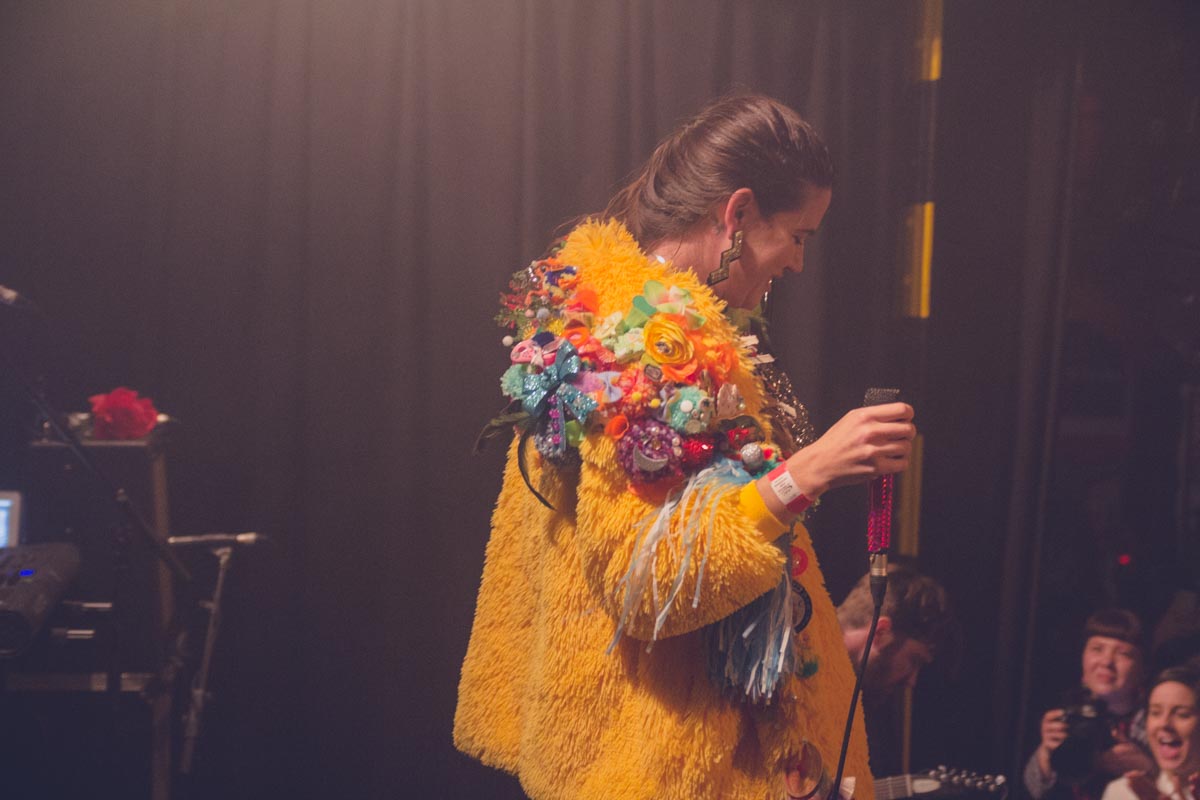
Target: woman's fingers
(888,412)
(889,443)
(892,456)
(894,431)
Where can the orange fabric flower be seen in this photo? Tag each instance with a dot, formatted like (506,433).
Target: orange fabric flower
(667,341)
(685,373)
(617,426)
(719,357)
(585,299)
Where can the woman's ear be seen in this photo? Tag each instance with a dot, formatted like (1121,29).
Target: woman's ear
(738,210)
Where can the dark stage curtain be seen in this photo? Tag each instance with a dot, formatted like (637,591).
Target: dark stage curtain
(287,222)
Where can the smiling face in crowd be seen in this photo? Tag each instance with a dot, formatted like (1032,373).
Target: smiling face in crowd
(1111,667)
(1171,728)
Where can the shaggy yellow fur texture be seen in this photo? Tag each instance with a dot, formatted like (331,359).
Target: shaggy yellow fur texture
(539,696)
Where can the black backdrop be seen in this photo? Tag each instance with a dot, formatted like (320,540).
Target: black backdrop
(287,222)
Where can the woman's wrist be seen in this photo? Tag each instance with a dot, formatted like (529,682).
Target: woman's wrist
(806,475)
(1043,762)
(784,496)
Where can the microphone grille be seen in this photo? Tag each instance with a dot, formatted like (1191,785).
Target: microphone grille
(877,397)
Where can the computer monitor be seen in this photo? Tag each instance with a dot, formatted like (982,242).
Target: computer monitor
(10,519)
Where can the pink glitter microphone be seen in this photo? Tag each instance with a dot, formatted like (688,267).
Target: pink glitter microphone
(879,513)
(879,538)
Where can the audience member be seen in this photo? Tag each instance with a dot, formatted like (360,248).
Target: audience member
(1174,738)
(1099,732)
(915,623)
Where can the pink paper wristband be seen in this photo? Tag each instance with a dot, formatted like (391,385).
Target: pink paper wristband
(787,491)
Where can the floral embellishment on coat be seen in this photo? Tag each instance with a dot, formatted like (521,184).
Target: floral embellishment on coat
(648,376)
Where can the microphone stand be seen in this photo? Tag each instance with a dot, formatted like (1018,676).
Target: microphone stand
(878,582)
(199,695)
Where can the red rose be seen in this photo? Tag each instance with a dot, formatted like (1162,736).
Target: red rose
(121,414)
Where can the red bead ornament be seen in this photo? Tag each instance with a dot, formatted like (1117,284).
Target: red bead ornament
(739,436)
(698,452)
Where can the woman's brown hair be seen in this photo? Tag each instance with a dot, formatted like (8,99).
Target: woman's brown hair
(744,140)
(1116,623)
(1188,674)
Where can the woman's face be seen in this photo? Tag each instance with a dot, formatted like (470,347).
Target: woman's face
(772,246)
(1171,729)
(1111,666)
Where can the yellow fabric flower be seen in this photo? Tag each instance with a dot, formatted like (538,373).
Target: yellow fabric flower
(666,341)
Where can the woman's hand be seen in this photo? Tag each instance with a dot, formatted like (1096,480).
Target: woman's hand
(866,443)
(1054,733)
(1143,786)
(1124,757)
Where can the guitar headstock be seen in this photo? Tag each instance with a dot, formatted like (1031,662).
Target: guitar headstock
(964,782)
(943,783)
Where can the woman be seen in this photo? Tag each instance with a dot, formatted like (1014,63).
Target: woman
(1110,671)
(1174,741)
(651,621)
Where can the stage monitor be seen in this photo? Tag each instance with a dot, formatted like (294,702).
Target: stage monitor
(10,519)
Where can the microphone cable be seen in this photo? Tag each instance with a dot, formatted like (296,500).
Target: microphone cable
(877,596)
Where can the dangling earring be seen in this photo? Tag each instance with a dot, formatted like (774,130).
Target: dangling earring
(764,320)
(765,303)
(728,256)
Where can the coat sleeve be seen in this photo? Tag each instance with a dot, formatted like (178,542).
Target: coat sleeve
(716,554)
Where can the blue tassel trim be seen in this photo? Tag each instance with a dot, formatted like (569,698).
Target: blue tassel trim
(754,648)
(701,494)
(751,650)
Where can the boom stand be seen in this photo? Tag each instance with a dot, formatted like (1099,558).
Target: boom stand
(199,692)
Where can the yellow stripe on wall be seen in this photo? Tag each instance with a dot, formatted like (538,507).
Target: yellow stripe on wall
(929,43)
(908,518)
(918,233)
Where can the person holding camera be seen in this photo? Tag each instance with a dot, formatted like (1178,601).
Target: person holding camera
(1100,733)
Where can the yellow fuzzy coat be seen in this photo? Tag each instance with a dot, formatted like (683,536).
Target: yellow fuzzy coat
(540,698)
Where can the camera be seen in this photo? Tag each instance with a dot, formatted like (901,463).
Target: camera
(1089,732)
